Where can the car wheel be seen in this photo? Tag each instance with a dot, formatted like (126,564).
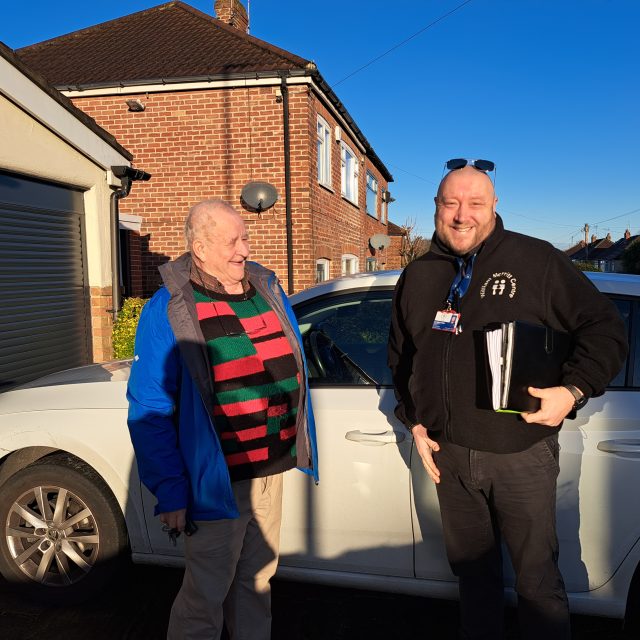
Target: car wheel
(63,533)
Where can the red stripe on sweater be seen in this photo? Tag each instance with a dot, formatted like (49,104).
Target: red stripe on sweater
(237,368)
(211,310)
(262,325)
(256,455)
(273,348)
(285,434)
(277,410)
(241,408)
(245,434)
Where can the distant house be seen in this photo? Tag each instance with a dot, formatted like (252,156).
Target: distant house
(602,253)
(58,186)
(207,108)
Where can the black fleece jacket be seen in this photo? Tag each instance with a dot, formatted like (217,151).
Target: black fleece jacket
(441,378)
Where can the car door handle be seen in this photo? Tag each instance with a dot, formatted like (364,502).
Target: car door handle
(619,446)
(375,439)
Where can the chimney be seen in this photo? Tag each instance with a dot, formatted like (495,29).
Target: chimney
(594,237)
(627,234)
(233,13)
(609,237)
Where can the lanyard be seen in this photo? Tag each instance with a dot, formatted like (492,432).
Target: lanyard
(461,282)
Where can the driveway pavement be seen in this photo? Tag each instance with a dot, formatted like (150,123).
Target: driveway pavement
(139,609)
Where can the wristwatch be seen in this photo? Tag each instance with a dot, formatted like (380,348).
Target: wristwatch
(579,397)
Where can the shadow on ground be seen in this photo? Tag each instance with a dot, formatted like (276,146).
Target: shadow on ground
(138,609)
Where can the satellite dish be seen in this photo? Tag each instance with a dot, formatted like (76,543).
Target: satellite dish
(259,196)
(379,241)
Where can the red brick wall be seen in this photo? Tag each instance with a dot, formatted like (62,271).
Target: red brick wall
(339,226)
(204,144)
(394,259)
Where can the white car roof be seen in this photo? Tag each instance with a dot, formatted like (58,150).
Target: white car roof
(369,279)
(619,283)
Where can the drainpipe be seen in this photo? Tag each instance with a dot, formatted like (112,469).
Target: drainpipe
(127,176)
(287,181)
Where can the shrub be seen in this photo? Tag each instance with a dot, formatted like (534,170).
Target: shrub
(124,328)
(586,265)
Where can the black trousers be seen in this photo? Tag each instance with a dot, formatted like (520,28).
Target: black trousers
(489,497)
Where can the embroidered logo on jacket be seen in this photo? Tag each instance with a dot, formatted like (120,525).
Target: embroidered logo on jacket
(499,284)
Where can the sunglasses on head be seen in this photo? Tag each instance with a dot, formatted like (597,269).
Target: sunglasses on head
(480,165)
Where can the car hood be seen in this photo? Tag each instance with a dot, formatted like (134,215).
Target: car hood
(97,386)
(117,371)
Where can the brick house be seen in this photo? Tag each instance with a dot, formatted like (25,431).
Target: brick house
(206,108)
(602,253)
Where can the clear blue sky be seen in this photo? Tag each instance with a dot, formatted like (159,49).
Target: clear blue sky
(548,89)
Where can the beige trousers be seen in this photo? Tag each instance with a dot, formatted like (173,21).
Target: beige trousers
(228,567)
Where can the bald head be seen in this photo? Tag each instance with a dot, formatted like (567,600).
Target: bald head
(480,179)
(203,218)
(217,238)
(465,209)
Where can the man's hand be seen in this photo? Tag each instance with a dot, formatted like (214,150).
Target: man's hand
(426,446)
(555,404)
(174,519)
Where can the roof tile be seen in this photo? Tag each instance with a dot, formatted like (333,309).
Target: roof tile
(151,45)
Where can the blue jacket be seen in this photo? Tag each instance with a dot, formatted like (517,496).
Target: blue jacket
(170,395)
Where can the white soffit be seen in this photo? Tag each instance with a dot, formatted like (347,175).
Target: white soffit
(27,95)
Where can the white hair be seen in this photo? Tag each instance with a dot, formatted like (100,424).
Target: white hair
(200,218)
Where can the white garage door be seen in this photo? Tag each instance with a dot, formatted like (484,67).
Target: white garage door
(43,294)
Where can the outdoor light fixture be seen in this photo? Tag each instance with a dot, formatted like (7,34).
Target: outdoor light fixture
(135,105)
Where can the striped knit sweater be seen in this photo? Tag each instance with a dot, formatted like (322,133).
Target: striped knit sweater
(256,382)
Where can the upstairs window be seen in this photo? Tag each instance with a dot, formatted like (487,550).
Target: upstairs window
(372,196)
(324,152)
(349,166)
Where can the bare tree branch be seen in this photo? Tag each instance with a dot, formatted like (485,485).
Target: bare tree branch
(413,245)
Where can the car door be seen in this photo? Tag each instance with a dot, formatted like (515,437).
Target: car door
(358,518)
(597,522)
(598,518)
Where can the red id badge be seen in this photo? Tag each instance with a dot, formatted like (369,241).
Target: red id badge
(446,320)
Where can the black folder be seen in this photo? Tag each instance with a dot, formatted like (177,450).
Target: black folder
(523,355)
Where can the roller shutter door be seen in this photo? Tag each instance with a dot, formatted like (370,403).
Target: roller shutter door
(44,324)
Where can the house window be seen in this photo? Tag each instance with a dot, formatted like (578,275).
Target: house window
(372,195)
(349,166)
(372,264)
(349,264)
(322,269)
(324,153)
(383,208)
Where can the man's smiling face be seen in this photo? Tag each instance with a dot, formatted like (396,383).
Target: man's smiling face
(465,210)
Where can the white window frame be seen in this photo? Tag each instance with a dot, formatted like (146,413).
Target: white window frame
(324,152)
(372,264)
(349,176)
(384,208)
(349,264)
(325,265)
(372,188)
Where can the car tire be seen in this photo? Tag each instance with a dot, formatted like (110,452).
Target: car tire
(63,536)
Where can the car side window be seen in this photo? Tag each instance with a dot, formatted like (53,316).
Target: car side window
(629,374)
(345,338)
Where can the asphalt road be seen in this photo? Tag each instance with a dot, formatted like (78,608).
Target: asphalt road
(139,608)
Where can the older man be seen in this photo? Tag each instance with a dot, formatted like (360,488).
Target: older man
(495,472)
(219,407)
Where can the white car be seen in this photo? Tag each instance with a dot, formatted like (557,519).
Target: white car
(72,504)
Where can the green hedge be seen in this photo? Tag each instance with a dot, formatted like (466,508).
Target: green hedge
(124,328)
